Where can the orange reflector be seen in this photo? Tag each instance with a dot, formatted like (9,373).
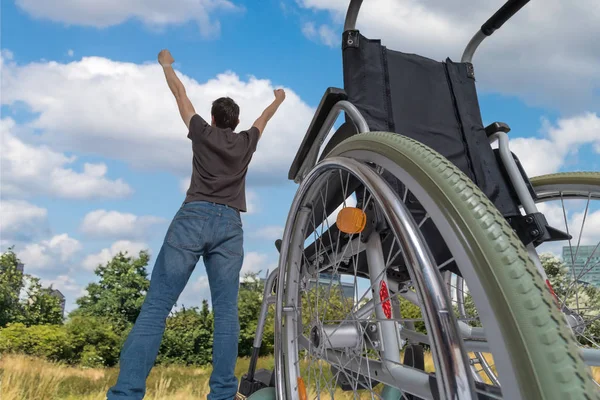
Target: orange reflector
(302,389)
(351,220)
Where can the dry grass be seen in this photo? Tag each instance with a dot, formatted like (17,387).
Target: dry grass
(26,378)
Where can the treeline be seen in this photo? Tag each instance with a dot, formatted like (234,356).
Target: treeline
(92,335)
(31,320)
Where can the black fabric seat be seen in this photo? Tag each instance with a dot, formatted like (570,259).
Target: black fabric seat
(432,102)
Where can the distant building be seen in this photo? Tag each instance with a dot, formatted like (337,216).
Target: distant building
(61,297)
(21,267)
(325,280)
(584,263)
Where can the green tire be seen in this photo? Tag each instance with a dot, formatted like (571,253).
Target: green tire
(267,393)
(542,350)
(566,179)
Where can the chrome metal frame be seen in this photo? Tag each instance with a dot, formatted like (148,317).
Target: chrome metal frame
(388,333)
(268,299)
(520,187)
(469,52)
(352,15)
(313,153)
(513,172)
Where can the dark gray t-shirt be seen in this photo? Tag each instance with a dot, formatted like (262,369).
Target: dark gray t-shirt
(220,163)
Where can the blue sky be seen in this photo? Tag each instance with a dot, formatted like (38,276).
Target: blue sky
(95,157)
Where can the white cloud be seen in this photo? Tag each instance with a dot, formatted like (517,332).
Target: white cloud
(184,184)
(578,130)
(195,292)
(49,253)
(309,30)
(114,224)
(21,220)
(252,202)
(590,234)
(324,33)
(155,13)
(70,53)
(538,156)
(328,36)
(105,255)
(574,211)
(255,262)
(548,154)
(65,284)
(547,53)
(29,170)
(272,232)
(124,106)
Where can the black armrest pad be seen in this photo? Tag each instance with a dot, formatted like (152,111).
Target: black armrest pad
(496,127)
(332,95)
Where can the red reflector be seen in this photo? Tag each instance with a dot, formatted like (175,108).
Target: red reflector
(552,291)
(384,297)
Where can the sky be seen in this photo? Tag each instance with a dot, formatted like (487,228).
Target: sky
(94,155)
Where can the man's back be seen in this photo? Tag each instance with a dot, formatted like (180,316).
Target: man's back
(220,163)
(208,225)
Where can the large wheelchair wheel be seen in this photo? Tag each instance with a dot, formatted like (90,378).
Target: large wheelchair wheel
(570,202)
(346,304)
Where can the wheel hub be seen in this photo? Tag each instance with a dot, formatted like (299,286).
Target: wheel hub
(345,336)
(576,321)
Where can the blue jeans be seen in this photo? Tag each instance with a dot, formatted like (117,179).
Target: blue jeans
(214,232)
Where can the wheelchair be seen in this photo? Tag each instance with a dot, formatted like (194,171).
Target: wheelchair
(412,235)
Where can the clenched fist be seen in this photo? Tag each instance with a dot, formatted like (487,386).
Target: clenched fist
(279,95)
(165,58)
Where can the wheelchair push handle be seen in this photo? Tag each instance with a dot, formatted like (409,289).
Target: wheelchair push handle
(510,8)
(352,15)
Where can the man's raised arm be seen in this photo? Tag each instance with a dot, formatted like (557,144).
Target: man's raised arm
(266,115)
(186,109)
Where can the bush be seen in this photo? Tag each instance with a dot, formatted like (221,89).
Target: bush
(188,337)
(47,341)
(95,341)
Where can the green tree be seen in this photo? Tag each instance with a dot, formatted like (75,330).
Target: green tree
(557,273)
(40,306)
(410,311)
(11,282)
(249,303)
(119,294)
(584,300)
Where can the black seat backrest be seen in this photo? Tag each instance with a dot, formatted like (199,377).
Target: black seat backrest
(429,101)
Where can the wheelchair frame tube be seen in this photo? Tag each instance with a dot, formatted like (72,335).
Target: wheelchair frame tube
(467,56)
(268,298)
(388,334)
(313,153)
(352,15)
(521,188)
(513,172)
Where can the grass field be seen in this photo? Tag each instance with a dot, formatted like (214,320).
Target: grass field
(26,378)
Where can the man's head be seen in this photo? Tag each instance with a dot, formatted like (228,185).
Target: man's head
(225,113)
